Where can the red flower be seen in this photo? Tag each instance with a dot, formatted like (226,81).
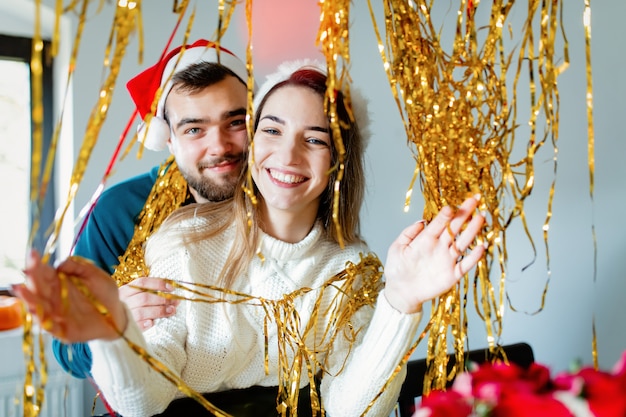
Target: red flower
(491,381)
(527,403)
(501,390)
(445,404)
(605,392)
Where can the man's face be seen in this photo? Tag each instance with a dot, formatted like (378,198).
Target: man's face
(208,137)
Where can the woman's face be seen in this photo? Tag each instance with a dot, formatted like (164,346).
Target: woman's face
(292,151)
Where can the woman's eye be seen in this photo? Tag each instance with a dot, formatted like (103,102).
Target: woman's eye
(270,131)
(317,141)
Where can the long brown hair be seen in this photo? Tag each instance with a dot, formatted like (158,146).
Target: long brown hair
(244,214)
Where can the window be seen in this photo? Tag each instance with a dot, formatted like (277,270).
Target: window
(17,215)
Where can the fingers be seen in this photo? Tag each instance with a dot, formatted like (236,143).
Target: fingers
(81,268)
(450,220)
(40,278)
(139,285)
(440,223)
(468,235)
(140,293)
(41,290)
(21,291)
(146,306)
(448,223)
(469,261)
(145,316)
(410,233)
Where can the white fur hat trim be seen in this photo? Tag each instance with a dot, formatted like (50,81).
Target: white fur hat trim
(358,100)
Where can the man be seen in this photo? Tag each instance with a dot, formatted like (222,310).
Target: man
(201,117)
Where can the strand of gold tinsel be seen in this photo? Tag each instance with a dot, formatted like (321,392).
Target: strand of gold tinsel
(33,391)
(461,123)
(333,36)
(168,193)
(248,187)
(591,159)
(122,28)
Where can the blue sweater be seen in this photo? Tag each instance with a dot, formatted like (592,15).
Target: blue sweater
(108,232)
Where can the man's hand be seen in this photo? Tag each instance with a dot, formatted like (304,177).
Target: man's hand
(146,306)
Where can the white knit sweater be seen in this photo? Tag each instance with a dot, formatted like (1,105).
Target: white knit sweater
(216,347)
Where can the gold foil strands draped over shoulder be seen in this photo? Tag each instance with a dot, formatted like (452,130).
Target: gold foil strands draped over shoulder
(169,192)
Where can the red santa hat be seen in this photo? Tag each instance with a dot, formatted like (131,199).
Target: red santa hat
(154,131)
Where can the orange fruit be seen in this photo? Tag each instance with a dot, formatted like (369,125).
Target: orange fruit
(10,312)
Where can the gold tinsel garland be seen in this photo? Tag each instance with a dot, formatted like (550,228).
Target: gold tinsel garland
(460,123)
(460,116)
(357,286)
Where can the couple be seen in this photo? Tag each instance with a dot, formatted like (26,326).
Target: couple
(285,249)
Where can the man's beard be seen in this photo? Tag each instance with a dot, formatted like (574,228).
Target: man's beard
(208,188)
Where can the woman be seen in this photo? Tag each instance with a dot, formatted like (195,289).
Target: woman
(286,313)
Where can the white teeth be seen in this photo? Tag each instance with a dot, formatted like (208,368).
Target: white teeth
(287,179)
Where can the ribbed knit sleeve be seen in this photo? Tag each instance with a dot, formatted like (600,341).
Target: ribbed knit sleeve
(370,364)
(128,383)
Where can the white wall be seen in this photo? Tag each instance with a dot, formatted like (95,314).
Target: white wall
(561,332)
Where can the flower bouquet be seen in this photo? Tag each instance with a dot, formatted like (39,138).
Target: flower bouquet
(508,390)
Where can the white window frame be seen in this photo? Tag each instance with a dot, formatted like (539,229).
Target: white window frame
(17,18)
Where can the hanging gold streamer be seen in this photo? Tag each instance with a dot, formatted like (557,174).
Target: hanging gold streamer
(121,31)
(460,121)
(33,391)
(333,36)
(591,159)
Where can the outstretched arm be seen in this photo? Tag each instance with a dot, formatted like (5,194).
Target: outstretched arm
(425,260)
(422,263)
(53,296)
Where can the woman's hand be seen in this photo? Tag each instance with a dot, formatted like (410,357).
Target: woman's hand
(63,309)
(425,261)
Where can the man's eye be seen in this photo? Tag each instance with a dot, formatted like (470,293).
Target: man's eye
(238,122)
(192,131)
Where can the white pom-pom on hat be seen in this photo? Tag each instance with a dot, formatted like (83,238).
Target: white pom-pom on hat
(358,101)
(154,131)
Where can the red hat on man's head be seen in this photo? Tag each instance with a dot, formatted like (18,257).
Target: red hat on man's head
(143,88)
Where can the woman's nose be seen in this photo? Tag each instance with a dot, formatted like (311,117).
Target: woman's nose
(290,151)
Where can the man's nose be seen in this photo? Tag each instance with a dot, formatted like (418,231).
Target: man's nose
(218,142)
